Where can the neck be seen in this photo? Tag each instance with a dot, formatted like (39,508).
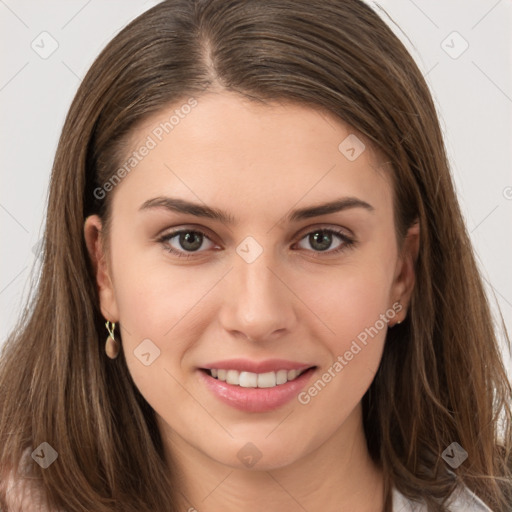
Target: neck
(338,475)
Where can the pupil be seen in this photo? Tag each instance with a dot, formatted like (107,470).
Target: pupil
(323,238)
(190,241)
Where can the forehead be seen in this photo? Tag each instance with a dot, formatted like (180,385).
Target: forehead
(229,148)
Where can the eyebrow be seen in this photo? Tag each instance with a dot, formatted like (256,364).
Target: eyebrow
(199,210)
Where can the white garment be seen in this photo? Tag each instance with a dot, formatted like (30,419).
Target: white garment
(462,500)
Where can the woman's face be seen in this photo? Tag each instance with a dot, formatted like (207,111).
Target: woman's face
(262,280)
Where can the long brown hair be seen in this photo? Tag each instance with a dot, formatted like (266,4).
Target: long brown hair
(441,379)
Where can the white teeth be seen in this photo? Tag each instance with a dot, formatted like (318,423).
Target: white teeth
(233,377)
(292,374)
(248,380)
(267,380)
(255,380)
(282,377)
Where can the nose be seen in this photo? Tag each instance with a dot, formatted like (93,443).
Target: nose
(257,303)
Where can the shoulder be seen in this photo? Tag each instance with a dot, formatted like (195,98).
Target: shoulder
(22,494)
(462,500)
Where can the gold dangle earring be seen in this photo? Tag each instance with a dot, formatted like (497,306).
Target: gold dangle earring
(111,344)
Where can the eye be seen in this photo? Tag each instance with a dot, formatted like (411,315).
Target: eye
(321,240)
(184,242)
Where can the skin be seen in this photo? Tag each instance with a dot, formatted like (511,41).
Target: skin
(296,302)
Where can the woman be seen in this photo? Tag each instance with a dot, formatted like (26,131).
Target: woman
(257,290)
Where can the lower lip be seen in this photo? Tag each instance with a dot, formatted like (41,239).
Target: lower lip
(256,399)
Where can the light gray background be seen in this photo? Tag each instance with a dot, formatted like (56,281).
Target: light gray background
(473,93)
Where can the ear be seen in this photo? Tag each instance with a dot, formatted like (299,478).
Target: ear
(95,246)
(403,284)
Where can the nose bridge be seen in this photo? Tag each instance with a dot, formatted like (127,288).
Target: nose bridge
(258,303)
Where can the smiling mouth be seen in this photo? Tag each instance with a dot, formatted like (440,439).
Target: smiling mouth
(255,380)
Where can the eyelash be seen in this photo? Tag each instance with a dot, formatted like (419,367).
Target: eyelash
(348,242)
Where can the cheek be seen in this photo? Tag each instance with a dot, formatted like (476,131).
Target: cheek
(356,308)
(152,294)
(163,303)
(348,300)
(353,303)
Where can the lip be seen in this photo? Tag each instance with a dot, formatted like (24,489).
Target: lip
(268,365)
(256,399)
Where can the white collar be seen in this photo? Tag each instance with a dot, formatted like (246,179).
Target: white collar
(462,500)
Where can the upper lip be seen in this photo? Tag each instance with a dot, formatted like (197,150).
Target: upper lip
(268,365)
